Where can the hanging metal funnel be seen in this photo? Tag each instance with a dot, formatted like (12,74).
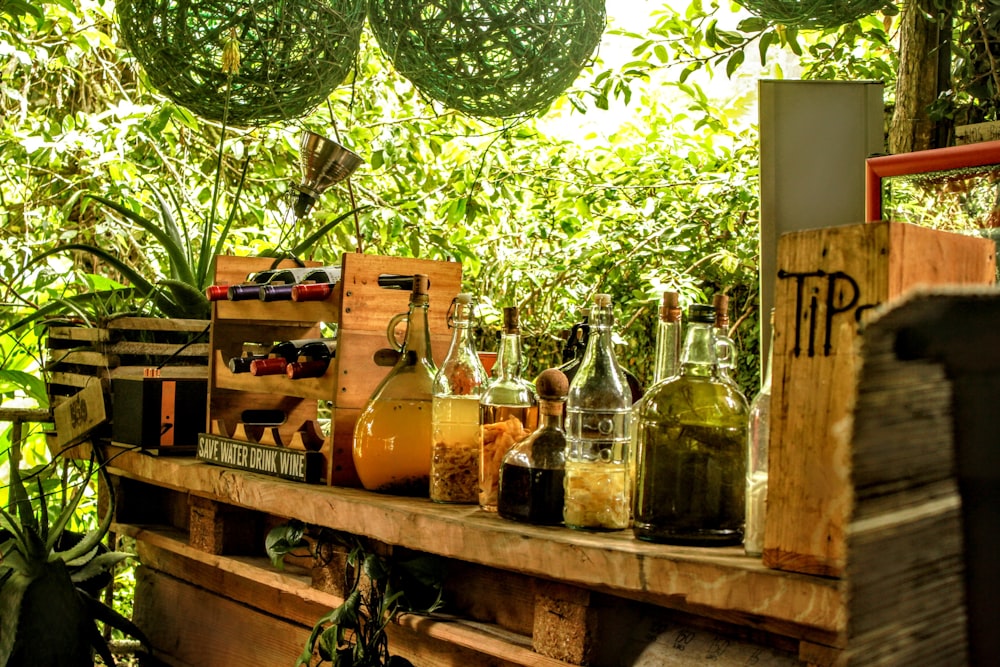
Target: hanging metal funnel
(324,162)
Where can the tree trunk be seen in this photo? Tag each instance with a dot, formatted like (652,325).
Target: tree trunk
(924,46)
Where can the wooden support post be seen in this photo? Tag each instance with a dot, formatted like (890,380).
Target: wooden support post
(217,528)
(565,623)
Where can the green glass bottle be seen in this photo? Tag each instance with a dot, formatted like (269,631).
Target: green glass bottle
(692,449)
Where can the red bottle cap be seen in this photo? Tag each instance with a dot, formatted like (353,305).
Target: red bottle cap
(311,291)
(217,292)
(270,366)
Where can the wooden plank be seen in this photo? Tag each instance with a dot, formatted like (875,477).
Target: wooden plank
(921,578)
(566,624)
(171,372)
(136,348)
(79,334)
(81,357)
(122,324)
(79,415)
(829,281)
(719,583)
(429,642)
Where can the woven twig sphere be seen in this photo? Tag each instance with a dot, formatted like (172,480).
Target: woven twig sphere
(293,52)
(813,13)
(489,57)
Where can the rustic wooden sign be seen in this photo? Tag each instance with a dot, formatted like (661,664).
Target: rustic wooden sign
(300,466)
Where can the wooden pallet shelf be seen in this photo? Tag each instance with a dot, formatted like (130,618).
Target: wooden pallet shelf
(721,588)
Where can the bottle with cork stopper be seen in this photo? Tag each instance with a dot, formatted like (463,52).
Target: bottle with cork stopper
(725,348)
(532,472)
(668,338)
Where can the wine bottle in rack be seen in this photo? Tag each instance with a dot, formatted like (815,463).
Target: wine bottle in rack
(285,353)
(250,285)
(283,286)
(314,359)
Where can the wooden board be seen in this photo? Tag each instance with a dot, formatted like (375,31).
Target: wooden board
(921,545)
(720,583)
(829,281)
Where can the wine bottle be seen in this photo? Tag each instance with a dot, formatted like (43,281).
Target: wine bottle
(250,288)
(313,359)
(282,286)
(242,363)
(284,353)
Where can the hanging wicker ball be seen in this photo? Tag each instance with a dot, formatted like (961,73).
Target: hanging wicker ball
(813,13)
(489,57)
(292,53)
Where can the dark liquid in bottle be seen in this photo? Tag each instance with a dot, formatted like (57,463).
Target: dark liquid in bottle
(533,495)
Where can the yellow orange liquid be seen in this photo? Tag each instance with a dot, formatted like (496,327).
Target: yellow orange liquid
(392,447)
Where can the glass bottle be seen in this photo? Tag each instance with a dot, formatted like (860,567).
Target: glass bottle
(576,347)
(313,359)
(392,437)
(668,338)
(508,410)
(724,345)
(598,415)
(287,352)
(758,437)
(692,430)
(532,472)
(458,386)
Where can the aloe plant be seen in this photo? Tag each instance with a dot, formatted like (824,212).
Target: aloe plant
(49,610)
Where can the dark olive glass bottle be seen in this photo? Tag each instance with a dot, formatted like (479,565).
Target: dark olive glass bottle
(692,449)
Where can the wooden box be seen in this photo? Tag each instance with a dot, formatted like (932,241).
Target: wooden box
(360,308)
(827,281)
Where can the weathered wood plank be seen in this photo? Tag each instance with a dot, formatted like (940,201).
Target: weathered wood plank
(720,583)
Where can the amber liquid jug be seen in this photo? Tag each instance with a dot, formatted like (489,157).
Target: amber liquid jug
(392,437)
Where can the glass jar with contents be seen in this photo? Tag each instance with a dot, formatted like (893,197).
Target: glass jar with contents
(392,437)
(598,416)
(458,386)
(508,410)
(532,472)
(692,449)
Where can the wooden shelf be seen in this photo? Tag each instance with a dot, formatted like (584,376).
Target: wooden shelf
(721,584)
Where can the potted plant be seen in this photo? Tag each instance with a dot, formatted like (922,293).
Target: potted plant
(50,579)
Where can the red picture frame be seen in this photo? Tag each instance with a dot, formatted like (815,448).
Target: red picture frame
(922,162)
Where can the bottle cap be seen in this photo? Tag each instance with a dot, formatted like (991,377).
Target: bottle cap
(243,292)
(511,319)
(277,292)
(270,366)
(217,292)
(421,285)
(311,291)
(671,305)
(464,298)
(602,300)
(721,304)
(700,312)
(552,385)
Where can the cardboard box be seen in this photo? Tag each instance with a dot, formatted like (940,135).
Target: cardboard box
(827,280)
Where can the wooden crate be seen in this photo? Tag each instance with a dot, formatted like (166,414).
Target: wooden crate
(360,309)
(123,347)
(828,280)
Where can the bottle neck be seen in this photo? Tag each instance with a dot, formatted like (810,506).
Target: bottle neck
(417,345)
(550,413)
(600,347)
(509,355)
(461,339)
(698,356)
(765,385)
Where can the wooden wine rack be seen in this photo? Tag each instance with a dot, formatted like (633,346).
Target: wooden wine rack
(360,308)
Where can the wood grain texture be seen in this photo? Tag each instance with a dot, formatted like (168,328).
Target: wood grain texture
(921,545)
(829,283)
(718,583)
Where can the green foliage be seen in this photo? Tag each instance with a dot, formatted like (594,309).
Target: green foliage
(377,590)
(49,581)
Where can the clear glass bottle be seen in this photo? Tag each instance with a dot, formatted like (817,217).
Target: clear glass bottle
(458,386)
(532,472)
(758,437)
(668,338)
(392,437)
(598,416)
(508,410)
(724,346)
(692,430)
(576,347)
